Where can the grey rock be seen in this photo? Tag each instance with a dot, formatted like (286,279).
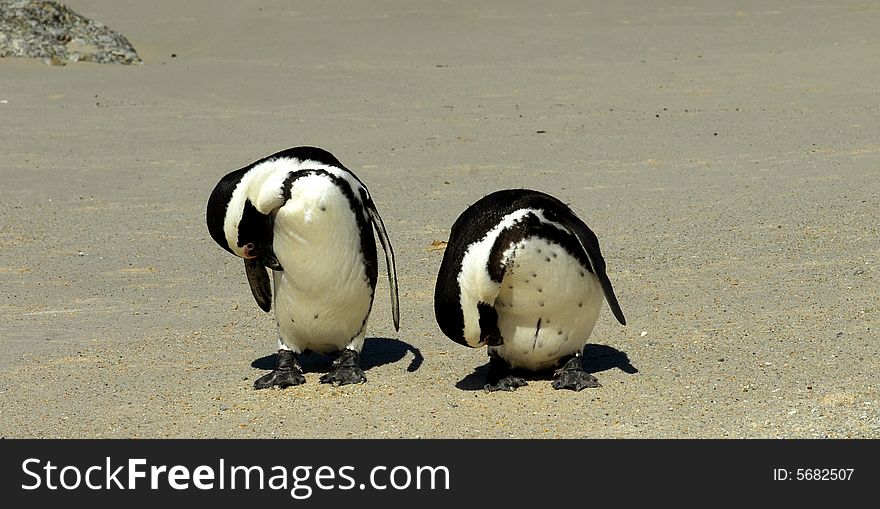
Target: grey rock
(52,32)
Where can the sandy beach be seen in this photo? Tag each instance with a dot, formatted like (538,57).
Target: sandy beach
(726,156)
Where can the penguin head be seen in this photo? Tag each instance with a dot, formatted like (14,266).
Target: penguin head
(235,224)
(254,233)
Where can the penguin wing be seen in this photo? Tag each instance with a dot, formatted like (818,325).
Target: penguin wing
(590,243)
(258,278)
(379,225)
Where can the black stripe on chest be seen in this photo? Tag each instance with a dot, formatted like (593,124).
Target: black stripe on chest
(530,226)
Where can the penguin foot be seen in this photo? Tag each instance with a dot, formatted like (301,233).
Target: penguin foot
(509,383)
(499,378)
(573,377)
(287,373)
(345,370)
(281,378)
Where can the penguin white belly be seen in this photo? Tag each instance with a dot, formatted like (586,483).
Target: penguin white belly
(323,296)
(547,306)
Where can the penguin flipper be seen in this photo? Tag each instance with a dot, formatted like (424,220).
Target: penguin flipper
(590,244)
(379,225)
(258,278)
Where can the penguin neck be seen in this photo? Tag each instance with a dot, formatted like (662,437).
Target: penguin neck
(260,178)
(249,189)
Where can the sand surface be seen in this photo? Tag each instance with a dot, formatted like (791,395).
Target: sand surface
(727,157)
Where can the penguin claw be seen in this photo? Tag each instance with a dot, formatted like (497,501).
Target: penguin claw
(573,377)
(509,384)
(345,370)
(281,378)
(498,377)
(344,376)
(575,381)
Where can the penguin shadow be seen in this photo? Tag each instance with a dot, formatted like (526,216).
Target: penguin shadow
(594,358)
(376,352)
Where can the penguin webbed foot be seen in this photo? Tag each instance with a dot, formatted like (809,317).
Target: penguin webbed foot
(499,378)
(345,370)
(572,376)
(287,373)
(509,383)
(281,378)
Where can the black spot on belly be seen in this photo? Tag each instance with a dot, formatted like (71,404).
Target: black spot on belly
(540,290)
(323,208)
(547,259)
(580,304)
(559,332)
(539,250)
(541,303)
(582,273)
(555,255)
(534,274)
(316,316)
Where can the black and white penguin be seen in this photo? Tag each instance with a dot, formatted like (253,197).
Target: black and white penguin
(309,219)
(523,275)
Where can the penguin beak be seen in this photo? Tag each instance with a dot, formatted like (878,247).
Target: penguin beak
(251,252)
(272,262)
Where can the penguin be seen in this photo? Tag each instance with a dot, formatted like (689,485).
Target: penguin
(524,276)
(308,219)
